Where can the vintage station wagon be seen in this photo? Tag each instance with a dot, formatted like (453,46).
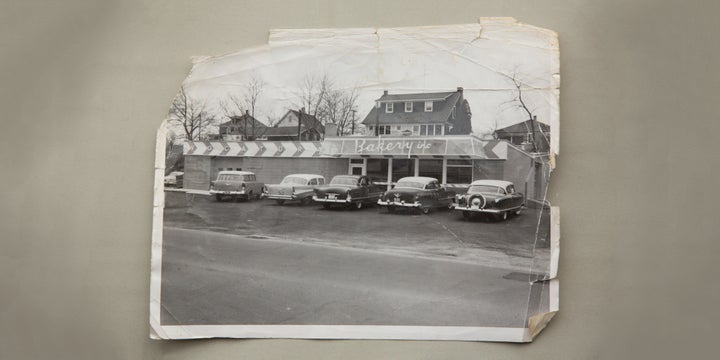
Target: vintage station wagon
(497,197)
(237,185)
(417,192)
(295,187)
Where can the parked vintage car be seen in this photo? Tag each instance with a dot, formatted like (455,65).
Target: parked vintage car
(496,197)
(295,187)
(237,185)
(417,192)
(349,190)
(174,179)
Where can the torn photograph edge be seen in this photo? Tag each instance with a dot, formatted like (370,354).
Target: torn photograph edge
(535,323)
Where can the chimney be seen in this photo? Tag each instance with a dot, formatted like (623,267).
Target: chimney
(460,89)
(330,130)
(385,92)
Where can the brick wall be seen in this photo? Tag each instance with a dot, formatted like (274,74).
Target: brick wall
(488,169)
(273,170)
(529,175)
(197,172)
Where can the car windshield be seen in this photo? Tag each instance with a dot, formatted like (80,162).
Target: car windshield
(230,177)
(343,181)
(294,180)
(486,189)
(410,184)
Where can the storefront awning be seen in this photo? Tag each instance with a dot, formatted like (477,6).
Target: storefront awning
(452,146)
(296,149)
(466,146)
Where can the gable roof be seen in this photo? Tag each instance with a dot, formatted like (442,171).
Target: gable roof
(307,122)
(284,131)
(240,120)
(440,114)
(522,128)
(438,96)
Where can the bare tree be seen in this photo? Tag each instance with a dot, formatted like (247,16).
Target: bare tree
(313,90)
(339,106)
(321,98)
(190,115)
(519,102)
(236,106)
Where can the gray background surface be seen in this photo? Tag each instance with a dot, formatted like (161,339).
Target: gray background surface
(84,84)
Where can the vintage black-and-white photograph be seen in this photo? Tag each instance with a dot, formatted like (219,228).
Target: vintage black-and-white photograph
(362,183)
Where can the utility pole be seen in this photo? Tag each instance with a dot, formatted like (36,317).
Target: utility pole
(300,115)
(352,125)
(534,135)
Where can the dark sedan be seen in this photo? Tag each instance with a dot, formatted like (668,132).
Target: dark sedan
(496,197)
(348,190)
(417,192)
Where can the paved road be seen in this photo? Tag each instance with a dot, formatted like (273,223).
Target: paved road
(214,278)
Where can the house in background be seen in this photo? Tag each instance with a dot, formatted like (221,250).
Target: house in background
(423,114)
(310,129)
(241,128)
(529,135)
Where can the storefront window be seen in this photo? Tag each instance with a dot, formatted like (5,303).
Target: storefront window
(459,171)
(431,168)
(402,168)
(377,170)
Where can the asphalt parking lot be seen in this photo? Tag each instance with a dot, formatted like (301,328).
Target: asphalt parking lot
(442,233)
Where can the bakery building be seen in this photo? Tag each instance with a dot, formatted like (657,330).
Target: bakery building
(406,135)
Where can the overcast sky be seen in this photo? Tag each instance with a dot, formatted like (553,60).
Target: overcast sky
(478,57)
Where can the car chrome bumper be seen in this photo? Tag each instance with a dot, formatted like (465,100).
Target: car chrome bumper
(220,192)
(334,201)
(415,204)
(279,197)
(480,210)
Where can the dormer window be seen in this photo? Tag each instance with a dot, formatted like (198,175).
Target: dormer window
(408,106)
(389,107)
(428,106)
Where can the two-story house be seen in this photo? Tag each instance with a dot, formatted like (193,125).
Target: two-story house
(423,114)
(310,129)
(239,128)
(529,135)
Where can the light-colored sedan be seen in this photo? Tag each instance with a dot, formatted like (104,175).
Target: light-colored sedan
(295,187)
